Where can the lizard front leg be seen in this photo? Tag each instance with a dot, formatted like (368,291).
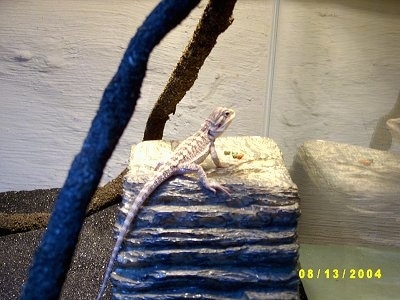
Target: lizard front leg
(214,156)
(210,185)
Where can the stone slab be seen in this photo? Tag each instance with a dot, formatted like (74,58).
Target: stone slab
(186,241)
(349,194)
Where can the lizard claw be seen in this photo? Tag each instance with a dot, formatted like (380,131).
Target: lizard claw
(214,186)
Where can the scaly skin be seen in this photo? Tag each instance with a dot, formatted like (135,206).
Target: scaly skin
(185,159)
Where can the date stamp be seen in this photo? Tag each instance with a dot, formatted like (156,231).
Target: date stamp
(351,273)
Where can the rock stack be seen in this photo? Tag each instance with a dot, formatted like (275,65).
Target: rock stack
(189,243)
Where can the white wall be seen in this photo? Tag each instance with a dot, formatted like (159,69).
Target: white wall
(337,73)
(56,57)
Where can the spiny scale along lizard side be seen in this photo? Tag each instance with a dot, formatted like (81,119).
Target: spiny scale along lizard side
(185,159)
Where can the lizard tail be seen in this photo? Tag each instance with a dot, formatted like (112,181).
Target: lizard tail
(124,229)
(145,192)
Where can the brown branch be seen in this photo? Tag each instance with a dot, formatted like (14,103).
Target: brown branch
(20,222)
(216,19)
(105,196)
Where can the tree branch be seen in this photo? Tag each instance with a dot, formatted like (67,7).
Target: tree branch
(216,19)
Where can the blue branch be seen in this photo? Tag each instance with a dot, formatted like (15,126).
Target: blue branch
(54,254)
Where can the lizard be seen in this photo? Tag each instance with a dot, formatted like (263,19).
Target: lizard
(186,158)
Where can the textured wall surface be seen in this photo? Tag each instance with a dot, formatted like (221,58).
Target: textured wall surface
(337,73)
(57,57)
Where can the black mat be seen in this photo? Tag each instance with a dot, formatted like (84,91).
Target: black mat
(16,250)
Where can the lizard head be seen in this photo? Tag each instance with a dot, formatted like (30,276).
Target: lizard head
(219,120)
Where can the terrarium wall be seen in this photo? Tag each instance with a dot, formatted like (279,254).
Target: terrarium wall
(337,73)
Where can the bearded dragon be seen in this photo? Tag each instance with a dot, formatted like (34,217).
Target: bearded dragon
(185,159)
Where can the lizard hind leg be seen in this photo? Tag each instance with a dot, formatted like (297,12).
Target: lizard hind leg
(210,185)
